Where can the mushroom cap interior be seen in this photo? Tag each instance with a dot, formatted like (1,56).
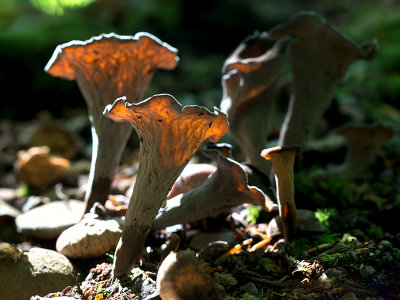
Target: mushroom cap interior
(266,153)
(107,52)
(163,126)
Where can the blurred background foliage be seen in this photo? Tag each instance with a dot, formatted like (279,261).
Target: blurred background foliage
(205,33)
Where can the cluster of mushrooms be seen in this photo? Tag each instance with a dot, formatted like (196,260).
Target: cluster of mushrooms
(111,70)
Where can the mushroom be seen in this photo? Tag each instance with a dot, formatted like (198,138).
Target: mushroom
(38,168)
(169,136)
(106,67)
(223,190)
(319,57)
(181,277)
(192,176)
(91,237)
(282,159)
(364,144)
(249,84)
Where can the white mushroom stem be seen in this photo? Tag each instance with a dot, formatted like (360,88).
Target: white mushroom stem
(282,159)
(320,57)
(224,189)
(169,137)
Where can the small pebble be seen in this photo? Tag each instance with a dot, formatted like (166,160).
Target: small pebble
(384,244)
(213,250)
(366,270)
(225,279)
(249,288)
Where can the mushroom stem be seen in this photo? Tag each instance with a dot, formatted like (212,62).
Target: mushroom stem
(282,159)
(151,189)
(105,160)
(169,136)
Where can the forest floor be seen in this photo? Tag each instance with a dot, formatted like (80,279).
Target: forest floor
(357,257)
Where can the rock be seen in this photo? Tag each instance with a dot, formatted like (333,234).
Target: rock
(306,222)
(37,168)
(8,194)
(36,272)
(384,244)
(225,279)
(34,201)
(91,237)
(348,296)
(249,288)
(50,220)
(204,238)
(7,212)
(213,250)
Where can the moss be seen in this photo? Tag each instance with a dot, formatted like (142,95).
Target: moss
(335,191)
(323,215)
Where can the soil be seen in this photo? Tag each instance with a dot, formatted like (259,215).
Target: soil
(358,257)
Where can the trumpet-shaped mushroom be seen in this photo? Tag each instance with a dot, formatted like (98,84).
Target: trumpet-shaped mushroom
(181,277)
(363,143)
(282,159)
(319,57)
(169,136)
(223,190)
(106,67)
(249,88)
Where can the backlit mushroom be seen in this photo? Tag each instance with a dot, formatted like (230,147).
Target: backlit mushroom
(319,57)
(282,159)
(223,190)
(249,84)
(169,136)
(106,67)
(364,144)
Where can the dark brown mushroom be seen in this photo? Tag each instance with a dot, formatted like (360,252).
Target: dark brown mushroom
(223,190)
(169,137)
(319,57)
(249,84)
(364,143)
(106,67)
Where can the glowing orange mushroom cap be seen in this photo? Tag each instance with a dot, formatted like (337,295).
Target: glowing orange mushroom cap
(112,59)
(163,124)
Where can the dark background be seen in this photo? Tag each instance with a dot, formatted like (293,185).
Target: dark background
(205,33)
